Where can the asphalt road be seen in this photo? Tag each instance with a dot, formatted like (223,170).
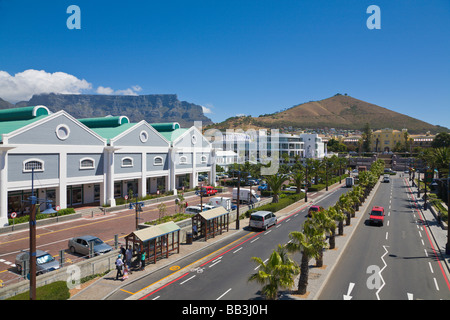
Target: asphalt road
(223,274)
(396,261)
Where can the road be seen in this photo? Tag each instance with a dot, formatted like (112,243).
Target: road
(53,238)
(397,261)
(223,274)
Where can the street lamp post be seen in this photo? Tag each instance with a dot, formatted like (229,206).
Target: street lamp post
(447,247)
(238,200)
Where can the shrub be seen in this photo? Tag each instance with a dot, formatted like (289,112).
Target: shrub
(54,291)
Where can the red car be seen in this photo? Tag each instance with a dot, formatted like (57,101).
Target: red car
(208,191)
(314,209)
(377,215)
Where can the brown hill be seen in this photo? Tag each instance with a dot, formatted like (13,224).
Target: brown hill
(339,111)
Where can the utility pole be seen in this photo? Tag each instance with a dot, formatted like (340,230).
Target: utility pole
(32,263)
(238,200)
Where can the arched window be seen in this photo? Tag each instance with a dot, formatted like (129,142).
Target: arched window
(158,161)
(36,164)
(203,159)
(87,163)
(183,159)
(127,162)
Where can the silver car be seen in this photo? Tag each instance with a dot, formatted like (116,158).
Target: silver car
(44,262)
(81,245)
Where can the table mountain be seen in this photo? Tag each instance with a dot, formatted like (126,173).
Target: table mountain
(153,107)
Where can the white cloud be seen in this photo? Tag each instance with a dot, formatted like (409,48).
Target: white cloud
(207,109)
(133,91)
(23,85)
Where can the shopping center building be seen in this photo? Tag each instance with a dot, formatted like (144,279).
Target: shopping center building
(75,162)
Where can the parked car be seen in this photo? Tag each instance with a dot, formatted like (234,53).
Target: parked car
(44,261)
(262,187)
(81,245)
(386,178)
(197,209)
(377,215)
(208,191)
(313,209)
(262,220)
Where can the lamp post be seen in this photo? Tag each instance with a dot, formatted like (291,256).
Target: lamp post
(306,183)
(447,247)
(238,200)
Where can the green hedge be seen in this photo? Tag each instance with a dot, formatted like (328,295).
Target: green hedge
(40,216)
(283,202)
(54,291)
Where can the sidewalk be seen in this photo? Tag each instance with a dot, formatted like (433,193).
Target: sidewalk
(105,286)
(437,233)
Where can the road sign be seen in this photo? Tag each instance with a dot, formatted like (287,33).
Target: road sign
(58,208)
(13,215)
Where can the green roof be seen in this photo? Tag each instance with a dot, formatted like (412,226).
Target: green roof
(111,132)
(24,113)
(16,118)
(173,135)
(105,122)
(166,126)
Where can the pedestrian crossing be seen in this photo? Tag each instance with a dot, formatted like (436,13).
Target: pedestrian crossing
(9,263)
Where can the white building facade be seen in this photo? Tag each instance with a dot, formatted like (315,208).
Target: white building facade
(92,161)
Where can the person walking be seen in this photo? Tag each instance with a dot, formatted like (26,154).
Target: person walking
(119,267)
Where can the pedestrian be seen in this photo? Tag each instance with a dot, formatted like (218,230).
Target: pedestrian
(122,252)
(125,273)
(129,255)
(119,267)
(143,260)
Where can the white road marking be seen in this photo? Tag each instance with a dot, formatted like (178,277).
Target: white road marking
(187,279)
(223,294)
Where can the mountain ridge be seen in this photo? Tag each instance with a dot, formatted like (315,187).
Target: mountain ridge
(153,108)
(339,112)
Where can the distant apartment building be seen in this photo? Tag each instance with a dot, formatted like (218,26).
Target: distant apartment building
(385,140)
(260,146)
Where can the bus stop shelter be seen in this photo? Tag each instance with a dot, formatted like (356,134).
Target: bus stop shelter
(210,223)
(157,241)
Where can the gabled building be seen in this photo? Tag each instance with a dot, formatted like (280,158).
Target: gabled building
(92,161)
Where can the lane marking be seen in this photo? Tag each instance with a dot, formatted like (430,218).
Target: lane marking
(224,294)
(187,279)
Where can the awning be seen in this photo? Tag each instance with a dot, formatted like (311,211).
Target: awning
(213,213)
(156,231)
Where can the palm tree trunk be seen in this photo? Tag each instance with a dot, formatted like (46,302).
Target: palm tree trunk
(341,227)
(304,270)
(319,259)
(332,240)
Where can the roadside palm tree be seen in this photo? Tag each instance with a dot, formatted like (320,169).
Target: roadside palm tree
(275,182)
(344,204)
(324,221)
(305,242)
(278,272)
(298,175)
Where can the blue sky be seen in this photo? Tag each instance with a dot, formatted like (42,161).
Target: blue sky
(234,57)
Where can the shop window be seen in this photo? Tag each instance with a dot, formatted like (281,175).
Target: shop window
(87,163)
(127,162)
(36,164)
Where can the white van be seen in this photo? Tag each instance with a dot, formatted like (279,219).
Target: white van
(262,220)
(245,195)
(220,202)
